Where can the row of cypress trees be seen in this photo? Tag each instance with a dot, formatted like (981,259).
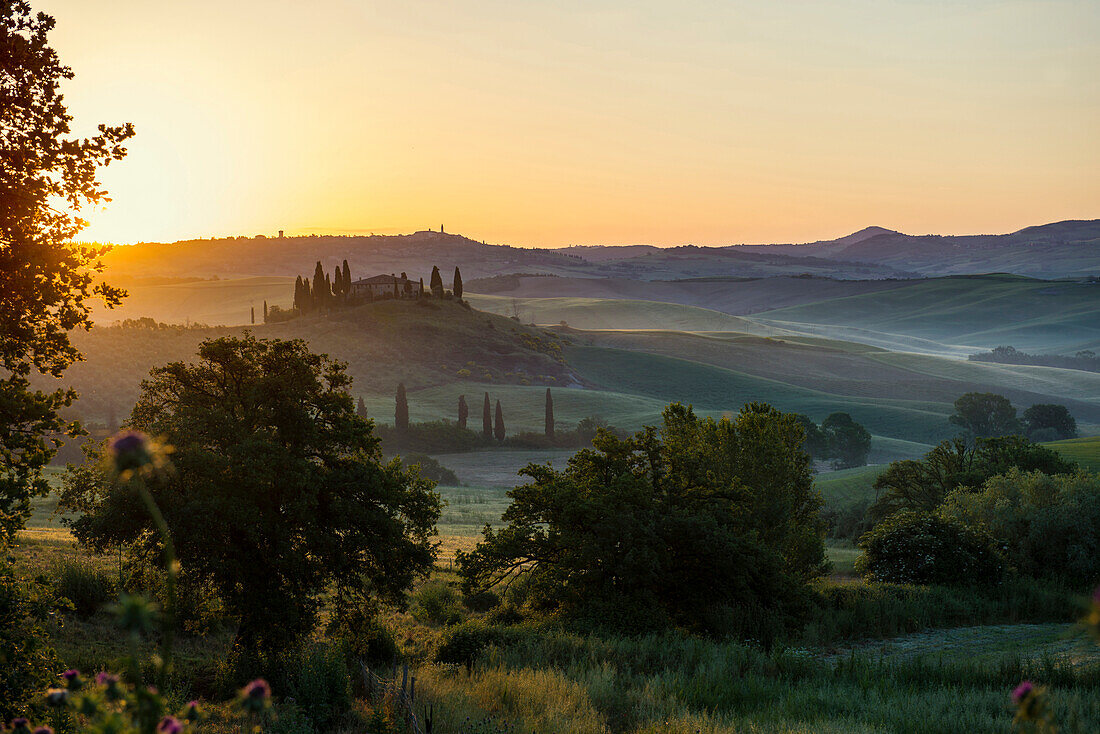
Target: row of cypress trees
(323,292)
(492,423)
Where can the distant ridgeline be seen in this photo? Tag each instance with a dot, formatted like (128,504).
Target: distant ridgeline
(1084,360)
(325,292)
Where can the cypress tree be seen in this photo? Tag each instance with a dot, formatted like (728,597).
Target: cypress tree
(346,280)
(463,411)
(401,413)
(328,288)
(307,296)
(337,282)
(456,287)
(549,414)
(487,418)
(361,409)
(436,283)
(265,310)
(298,294)
(498,431)
(319,287)
(421,287)
(253,310)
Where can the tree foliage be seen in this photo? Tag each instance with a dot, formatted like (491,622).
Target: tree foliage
(703,524)
(985,414)
(456,286)
(463,411)
(280,496)
(1048,525)
(46,281)
(486,418)
(548,426)
(498,425)
(1049,422)
(922,485)
(848,442)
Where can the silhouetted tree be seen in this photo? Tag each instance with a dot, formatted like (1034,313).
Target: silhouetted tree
(346,280)
(463,411)
(498,429)
(457,285)
(1047,421)
(361,408)
(848,442)
(265,310)
(549,414)
(337,282)
(319,287)
(436,282)
(299,302)
(252,310)
(985,415)
(487,418)
(401,412)
(421,287)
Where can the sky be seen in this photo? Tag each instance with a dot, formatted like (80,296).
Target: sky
(557,122)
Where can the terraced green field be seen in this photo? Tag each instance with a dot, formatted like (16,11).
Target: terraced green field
(846,486)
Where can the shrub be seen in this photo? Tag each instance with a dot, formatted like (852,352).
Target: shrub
(318,679)
(922,548)
(481,601)
(436,603)
(464,642)
(373,643)
(1048,526)
(431,469)
(87,588)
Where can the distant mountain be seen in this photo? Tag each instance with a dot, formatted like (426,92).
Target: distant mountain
(1063,249)
(1058,250)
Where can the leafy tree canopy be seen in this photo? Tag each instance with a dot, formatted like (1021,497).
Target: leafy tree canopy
(46,178)
(280,494)
(922,485)
(707,524)
(848,442)
(985,414)
(1047,421)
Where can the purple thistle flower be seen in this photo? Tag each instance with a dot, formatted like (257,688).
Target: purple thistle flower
(191,711)
(258,689)
(57,697)
(1022,691)
(169,725)
(105,679)
(20,724)
(43,730)
(71,674)
(130,451)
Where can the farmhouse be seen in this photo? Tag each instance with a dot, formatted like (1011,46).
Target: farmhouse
(386,286)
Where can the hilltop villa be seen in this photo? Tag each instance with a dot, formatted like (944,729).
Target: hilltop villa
(386,286)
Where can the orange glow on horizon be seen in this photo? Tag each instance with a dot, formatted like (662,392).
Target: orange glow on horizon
(608,122)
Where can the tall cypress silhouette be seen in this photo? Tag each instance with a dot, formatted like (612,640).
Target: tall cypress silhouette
(338,282)
(436,283)
(265,310)
(361,408)
(401,412)
(298,294)
(319,287)
(463,411)
(346,280)
(253,309)
(456,287)
(549,414)
(498,430)
(487,418)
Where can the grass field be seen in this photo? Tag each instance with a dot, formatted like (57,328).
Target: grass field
(846,486)
(1085,451)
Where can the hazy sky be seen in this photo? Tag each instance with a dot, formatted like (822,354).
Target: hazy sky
(558,122)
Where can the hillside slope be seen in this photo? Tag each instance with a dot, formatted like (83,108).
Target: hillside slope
(420,343)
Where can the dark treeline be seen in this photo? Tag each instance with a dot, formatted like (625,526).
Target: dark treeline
(1084,360)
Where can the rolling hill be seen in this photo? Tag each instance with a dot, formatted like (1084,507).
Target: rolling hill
(965,312)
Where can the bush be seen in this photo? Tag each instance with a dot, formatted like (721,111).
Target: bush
(481,601)
(464,642)
(28,664)
(87,588)
(431,469)
(922,548)
(318,679)
(373,643)
(1049,526)
(436,603)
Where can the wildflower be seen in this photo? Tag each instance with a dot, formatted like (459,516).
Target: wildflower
(72,679)
(256,696)
(1032,706)
(1022,691)
(191,711)
(169,725)
(20,725)
(43,730)
(130,452)
(57,697)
